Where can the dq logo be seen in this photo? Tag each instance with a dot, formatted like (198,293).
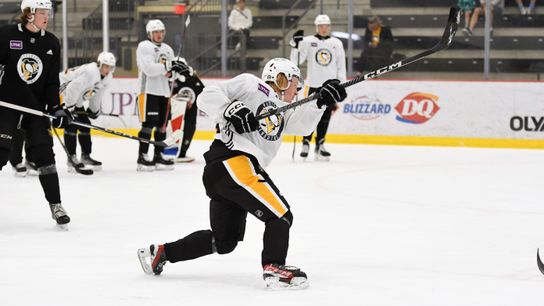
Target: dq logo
(417,108)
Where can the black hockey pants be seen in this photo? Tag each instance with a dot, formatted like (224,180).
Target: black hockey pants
(236,186)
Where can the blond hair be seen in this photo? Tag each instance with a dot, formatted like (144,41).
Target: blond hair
(25,16)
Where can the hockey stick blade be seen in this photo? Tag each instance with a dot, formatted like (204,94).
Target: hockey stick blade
(70,161)
(539,262)
(446,40)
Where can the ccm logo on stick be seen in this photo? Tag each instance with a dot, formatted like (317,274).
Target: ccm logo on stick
(417,108)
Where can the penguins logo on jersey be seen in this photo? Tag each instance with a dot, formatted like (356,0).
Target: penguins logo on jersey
(29,67)
(87,95)
(270,128)
(163,59)
(323,57)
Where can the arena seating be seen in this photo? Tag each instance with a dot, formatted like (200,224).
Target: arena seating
(512,32)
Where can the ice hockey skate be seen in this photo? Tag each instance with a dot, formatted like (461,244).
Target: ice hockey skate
(31,169)
(20,170)
(321,152)
(305,149)
(184,159)
(59,215)
(152,259)
(75,166)
(281,277)
(144,165)
(162,164)
(87,160)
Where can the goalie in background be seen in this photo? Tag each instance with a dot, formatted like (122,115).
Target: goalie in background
(85,83)
(187,87)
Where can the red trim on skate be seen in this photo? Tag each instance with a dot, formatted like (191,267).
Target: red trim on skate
(157,256)
(282,272)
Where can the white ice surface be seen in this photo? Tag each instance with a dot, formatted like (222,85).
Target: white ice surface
(378,225)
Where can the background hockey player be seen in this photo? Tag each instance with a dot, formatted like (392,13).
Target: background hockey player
(326,60)
(85,83)
(189,86)
(155,65)
(234,177)
(30,61)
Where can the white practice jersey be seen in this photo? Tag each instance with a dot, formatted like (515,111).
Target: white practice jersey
(259,97)
(152,60)
(83,83)
(326,59)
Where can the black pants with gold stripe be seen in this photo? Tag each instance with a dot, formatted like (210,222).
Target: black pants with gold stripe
(153,115)
(237,185)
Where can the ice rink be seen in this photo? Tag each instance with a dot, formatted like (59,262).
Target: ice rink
(378,225)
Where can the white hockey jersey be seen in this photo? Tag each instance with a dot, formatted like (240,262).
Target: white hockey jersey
(152,60)
(326,59)
(83,83)
(259,97)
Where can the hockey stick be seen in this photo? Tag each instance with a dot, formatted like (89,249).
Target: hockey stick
(78,170)
(167,142)
(105,114)
(187,22)
(295,136)
(539,262)
(118,117)
(444,43)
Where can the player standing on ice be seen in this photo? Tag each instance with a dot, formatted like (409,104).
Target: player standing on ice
(156,67)
(234,178)
(326,60)
(188,86)
(29,67)
(85,83)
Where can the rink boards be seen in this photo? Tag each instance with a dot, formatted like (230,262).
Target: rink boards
(440,113)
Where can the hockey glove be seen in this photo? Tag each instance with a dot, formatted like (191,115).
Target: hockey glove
(331,93)
(64,117)
(181,68)
(78,111)
(241,117)
(297,37)
(91,114)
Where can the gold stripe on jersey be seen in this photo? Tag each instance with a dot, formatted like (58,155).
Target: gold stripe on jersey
(141,106)
(141,100)
(242,172)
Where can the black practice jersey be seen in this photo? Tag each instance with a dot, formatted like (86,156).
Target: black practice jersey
(29,67)
(191,87)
